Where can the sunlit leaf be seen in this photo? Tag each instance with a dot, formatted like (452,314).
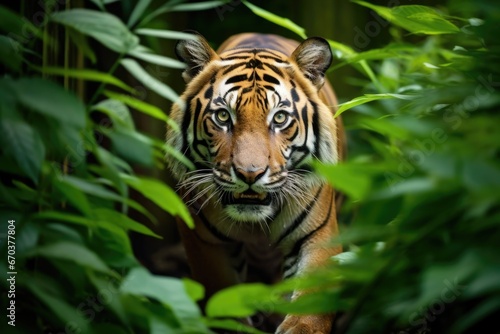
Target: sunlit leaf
(149,81)
(170,34)
(85,74)
(158,60)
(414,18)
(161,195)
(281,21)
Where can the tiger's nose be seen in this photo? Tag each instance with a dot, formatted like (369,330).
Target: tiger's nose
(250,174)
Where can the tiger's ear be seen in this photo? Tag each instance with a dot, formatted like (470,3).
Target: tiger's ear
(196,53)
(313,56)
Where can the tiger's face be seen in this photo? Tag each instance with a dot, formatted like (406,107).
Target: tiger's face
(251,121)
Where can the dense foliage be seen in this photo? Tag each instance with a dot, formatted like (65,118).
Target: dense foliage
(422,181)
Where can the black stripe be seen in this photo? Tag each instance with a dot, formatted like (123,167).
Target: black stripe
(213,229)
(196,141)
(232,67)
(271,79)
(298,244)
(295,96)
(185,124)
(315,124)
(300,218)
(237,78)
(274,69)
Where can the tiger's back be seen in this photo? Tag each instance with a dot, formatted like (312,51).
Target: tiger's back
(253,117)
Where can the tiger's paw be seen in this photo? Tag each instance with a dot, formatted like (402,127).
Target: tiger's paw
(310,324)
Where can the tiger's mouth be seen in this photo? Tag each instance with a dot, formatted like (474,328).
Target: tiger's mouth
(248,197)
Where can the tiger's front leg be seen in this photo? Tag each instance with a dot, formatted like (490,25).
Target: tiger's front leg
(208,259)
(314,252)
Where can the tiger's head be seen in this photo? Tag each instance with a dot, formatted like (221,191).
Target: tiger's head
(251,120)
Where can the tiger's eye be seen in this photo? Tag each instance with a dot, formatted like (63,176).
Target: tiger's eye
(222,116)
(280,117)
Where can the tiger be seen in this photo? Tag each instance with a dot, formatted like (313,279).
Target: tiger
(253,117)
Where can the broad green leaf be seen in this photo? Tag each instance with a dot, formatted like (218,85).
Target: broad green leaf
(90,188)
(104,27)
(161,195)
(23,144)
(351,179)
(195,290)
(74,195)
(281,21)
(10,53)
(415,18)
(167,290)
(123,221)
(157,59)
(85,74)
(368,98)
(117,111)
(238,301)
(149,81)
(170,34)
(69,251)
(50,99)
(143,107)
(132,146)
(138,12)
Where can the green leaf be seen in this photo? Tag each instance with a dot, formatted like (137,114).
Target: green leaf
(50,99)
(63,310)
(143,107)
(351,179)
(10,53)
(238,301)
(76,253)
(368,98)
(17,27)
(157,59)
(161,33)
(231,325)
(195,290)
(196,6)
(132,146)
(415,18)
(23,144)
(161,195)
(90,188)
(138,11)
(123,221)
(104,27)
(74,195)
(117,111)
(169,291)
(85,74)
(281,21)
(149,81)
